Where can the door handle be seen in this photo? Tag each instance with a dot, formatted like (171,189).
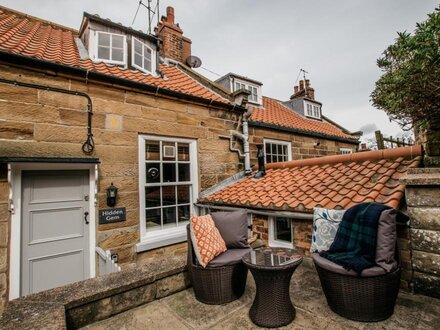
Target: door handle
(86,214)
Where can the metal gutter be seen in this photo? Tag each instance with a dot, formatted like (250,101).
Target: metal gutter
(296,215)
(303,132)
(88,74)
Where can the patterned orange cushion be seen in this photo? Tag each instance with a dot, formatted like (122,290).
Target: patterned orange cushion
(206,239)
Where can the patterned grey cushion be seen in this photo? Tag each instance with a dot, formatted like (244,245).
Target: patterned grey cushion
(325,226)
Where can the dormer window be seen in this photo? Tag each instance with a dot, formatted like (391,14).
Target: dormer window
(111,48)
(142,56)
(312,110)
(253,97)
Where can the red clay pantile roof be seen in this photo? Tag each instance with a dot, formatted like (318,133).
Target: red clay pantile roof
(332,182)
(275,113)
(29,36)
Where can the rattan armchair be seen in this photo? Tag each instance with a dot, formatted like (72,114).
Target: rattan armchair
(365,299)
(215,285)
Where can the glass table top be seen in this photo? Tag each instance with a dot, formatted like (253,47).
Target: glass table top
(272,257)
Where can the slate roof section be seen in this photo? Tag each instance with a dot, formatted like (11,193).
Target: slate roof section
(275,113)
(336,182)
(29,36)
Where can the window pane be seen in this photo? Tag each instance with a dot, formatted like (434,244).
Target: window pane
(147,52)
(268,151)
(280,149)
(138,59)
(152,197)
(103,39)
(268,160)
(152,172)
(117,54)
(183,151)
(169,216)
(283,229)
(152,218)
(183,214)
(169,195)
(184,172)
(152,150)
(117,41)
(104,53)
(137,46)
(147,64)
(169,172)
(169,151)
(183,194)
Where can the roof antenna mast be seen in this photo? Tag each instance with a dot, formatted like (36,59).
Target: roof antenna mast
(151,12)
(305,85)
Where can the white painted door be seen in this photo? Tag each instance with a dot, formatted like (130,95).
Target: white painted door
(55,235)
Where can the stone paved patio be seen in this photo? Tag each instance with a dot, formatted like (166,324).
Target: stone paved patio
(183,311)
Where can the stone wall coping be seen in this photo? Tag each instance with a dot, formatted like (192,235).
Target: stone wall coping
(421,177)
(48,307)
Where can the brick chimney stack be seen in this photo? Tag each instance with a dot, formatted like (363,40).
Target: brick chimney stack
(303,90)
(174,44)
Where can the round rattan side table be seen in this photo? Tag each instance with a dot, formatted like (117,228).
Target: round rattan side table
(272,269)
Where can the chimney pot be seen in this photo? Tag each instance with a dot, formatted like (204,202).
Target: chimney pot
(295,89)
(307,82)
(170,14)
(301,85)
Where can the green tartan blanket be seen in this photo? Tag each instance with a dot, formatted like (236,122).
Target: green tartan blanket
(354,246)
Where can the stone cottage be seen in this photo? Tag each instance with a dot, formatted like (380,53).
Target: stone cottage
(107,139)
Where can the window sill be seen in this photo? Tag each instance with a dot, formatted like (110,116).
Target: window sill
(281,244)
(161,239)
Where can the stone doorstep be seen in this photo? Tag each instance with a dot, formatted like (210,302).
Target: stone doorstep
(95,299)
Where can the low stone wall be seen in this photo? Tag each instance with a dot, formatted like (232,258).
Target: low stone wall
(423,200)
(79,304)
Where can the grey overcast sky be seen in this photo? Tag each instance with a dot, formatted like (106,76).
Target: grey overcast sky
(337,42)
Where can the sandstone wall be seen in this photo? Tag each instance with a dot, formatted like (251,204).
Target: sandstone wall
(49,124)
(302,146)
(423,199)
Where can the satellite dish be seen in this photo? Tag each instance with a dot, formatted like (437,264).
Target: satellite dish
(193,61)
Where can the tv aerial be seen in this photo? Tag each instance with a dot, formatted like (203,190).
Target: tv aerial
(193,61)
(151,12)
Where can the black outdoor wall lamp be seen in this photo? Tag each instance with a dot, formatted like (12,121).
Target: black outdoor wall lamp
(112,192)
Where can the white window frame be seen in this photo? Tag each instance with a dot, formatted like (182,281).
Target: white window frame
(124,44)
(313,112)
(284,143)
(250,88)
(153,56)
(273,242)
(345,151)
(162,237)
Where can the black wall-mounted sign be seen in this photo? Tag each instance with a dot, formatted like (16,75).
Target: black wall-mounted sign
(116,214)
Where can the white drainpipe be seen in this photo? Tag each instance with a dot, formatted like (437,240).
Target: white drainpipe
(245,138)
(247,155)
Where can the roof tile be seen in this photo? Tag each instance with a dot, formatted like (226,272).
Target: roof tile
(275,113)
(28,36)
(367,182)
